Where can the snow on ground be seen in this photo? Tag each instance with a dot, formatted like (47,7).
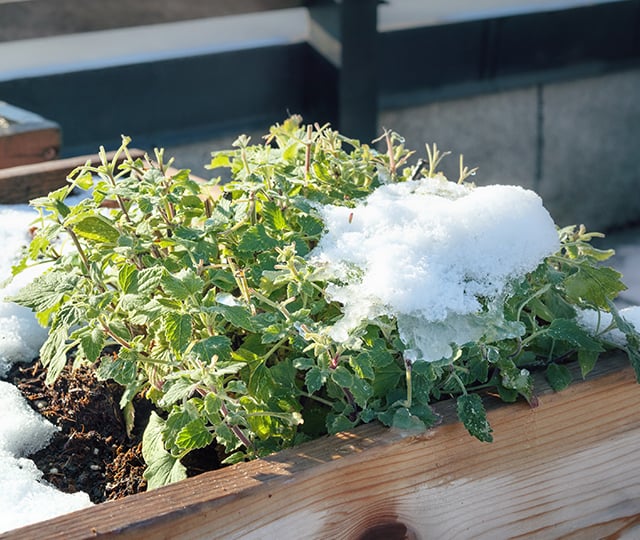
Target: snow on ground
(24,499)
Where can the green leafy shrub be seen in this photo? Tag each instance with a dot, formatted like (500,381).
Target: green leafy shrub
(203,298)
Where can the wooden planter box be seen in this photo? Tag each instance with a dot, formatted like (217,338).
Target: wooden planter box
(567,468)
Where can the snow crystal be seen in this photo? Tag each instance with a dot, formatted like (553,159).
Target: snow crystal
(427,251)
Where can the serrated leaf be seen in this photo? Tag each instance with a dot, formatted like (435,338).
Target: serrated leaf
(175,390)
(594,285)
(256,239)
(219,159)
(315,378)
(274,217)
(97,228)
(45,291)
(338,424)
(178,330)
(127,277)
(162,467)
(361,391)
(194,435)
(147,280)
(473,415)
(120,367)
(182,284)
(362,366)
(213,346)
(571,332)
(558,376)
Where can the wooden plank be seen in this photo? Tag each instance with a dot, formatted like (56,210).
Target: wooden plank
(25,182)
(26,137)
(40,18)
(565,469)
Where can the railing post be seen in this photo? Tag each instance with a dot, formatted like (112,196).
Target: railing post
(342,82)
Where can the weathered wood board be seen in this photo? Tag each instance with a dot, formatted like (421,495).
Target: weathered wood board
(24,182)
(565,469)
(26,137)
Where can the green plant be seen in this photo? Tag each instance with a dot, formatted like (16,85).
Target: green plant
(203,298)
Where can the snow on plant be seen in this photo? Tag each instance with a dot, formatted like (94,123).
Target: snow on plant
(326,285)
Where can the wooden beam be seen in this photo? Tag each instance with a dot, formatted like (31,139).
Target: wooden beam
(25,182)
(567,468)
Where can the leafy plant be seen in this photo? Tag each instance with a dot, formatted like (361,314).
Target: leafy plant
(201,297)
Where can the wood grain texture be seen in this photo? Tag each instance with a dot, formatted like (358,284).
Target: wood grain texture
(565,469)
(25,182)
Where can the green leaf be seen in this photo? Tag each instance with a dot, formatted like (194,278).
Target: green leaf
(261,383)
(569,331)
(178,330)
(238,316)
(127,277)
(45,291)
(53,353)
(162,467)
(182,284)
(175,390)
(92,344)
(256,239)
(472,414)
(593,285)
(587,360)
(362,366)
(147,280)
(214,346)
(342,377)
(97,228)
(315,379)
(405,421)
(122,367)
(632,336)
(194,435)
(558,376)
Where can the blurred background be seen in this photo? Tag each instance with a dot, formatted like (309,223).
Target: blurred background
(540,93)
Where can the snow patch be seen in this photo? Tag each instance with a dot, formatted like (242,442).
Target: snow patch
(437,255)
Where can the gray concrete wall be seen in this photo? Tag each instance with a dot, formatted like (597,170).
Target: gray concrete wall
(576,143)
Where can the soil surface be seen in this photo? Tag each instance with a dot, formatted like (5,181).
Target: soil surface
(92,451)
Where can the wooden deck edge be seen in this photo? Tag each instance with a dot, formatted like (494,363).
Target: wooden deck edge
(566,466)
(24,182)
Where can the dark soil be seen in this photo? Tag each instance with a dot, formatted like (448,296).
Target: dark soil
(92,451)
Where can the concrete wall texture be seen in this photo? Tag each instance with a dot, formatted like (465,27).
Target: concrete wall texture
(575,143)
